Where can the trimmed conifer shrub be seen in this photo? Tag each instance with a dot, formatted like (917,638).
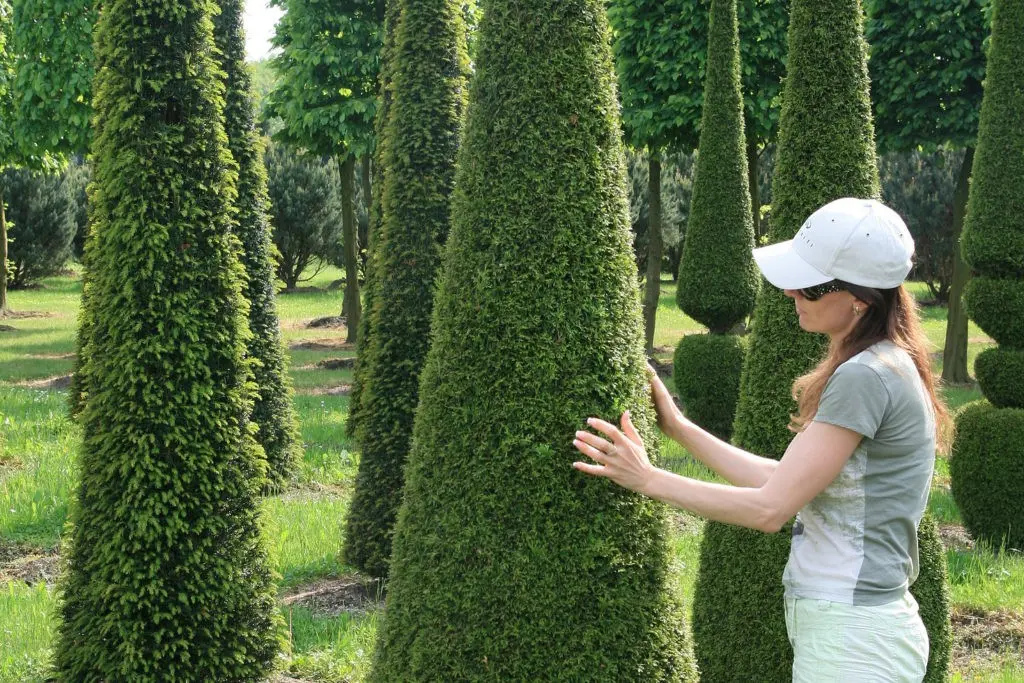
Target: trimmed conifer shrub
(392,14)
(429,80)
(986,473)
(508,564)
(272,410)
(718,280)
(825,151)
(706,371)
(41,224)
(167,574)
(931,590)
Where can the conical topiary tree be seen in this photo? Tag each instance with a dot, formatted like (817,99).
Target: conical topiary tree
(272,410)
(167,574)
(507,563)
(826,151)
(987,477)
(392,14)
(429,81)
(718,280)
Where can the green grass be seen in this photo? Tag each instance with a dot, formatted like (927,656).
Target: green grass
(304,523)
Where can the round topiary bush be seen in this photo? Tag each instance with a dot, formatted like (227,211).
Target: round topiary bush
(998,372)
(996,305)
(987,472)
(508,564)
(706,371)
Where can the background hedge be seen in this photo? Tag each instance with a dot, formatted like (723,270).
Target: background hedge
(987,474)
(429,80)
(826,151)
(508,564)
(40,224)
(272,409)
(167,574)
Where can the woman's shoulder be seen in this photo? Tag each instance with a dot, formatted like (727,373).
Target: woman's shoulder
(892,365)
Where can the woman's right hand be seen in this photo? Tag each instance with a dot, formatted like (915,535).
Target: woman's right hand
(670,418)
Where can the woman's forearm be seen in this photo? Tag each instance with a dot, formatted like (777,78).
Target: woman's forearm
(733,464)
(747,507)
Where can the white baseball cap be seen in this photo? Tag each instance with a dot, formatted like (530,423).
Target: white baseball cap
(860,241)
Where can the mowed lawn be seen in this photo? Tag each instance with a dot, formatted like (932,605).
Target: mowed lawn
(331,612)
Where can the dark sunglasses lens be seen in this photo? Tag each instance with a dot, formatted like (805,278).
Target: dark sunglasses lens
(818,291)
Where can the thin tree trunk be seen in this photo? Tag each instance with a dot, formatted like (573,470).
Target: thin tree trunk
(350,307)
(755,187)
(954,355)
(652,292)
(364,229)
(3,255)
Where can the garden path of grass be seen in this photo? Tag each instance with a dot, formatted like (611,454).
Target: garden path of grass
(331,612)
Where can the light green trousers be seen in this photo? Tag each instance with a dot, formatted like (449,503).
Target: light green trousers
(833,642)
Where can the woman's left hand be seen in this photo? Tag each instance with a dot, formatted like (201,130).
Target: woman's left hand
(621,458)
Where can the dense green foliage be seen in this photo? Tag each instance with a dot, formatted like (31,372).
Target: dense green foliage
(508,564)
(429,79)
(986,471)
(931,590)
(6,82)
(392,14)
(41,224)
(927,64)
(718,280)
(272,410)
(826,150)
(706,371)
(676,190)
(53,44)
(920,187)
(305,211)
(167,573)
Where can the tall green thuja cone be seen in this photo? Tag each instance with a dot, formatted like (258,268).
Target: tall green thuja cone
(392,14)
(272,410)
(429,80)
(826,151)
(167,575)
(987,480)
(508,564)
(718,280)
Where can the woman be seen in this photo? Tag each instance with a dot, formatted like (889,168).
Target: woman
(859,468)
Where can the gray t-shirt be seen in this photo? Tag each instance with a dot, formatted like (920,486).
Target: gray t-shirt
(856,542)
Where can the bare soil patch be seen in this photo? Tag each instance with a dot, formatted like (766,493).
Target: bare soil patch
(352,594)
(24,315)
(337,363)
(54,383)
(50,356)
(980,637)
(956,537)
(330,322)
(338,390)
(323,344)
(22,562)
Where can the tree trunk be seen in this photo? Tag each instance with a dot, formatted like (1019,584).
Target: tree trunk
(954,355)
(3,255)
(350,307)
(755,186)
(364,228)
(652,292)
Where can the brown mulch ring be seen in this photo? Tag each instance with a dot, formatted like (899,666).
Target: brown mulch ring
(664,369)
(331,322)
(325,344)
(336,363)
(22,315)
(980,636)
(353,594)
(54,383)
(339,390)
(956,537)
(22,562)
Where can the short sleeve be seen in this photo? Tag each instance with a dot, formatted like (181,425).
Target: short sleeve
(854,398)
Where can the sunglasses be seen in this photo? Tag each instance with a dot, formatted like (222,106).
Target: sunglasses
(817,291)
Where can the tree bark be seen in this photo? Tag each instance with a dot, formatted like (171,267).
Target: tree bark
(350,307)
(755,188)
(954,355)
(364,228)
(652,292)
(3,255)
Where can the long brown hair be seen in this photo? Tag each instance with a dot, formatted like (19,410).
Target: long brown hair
(891,314)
